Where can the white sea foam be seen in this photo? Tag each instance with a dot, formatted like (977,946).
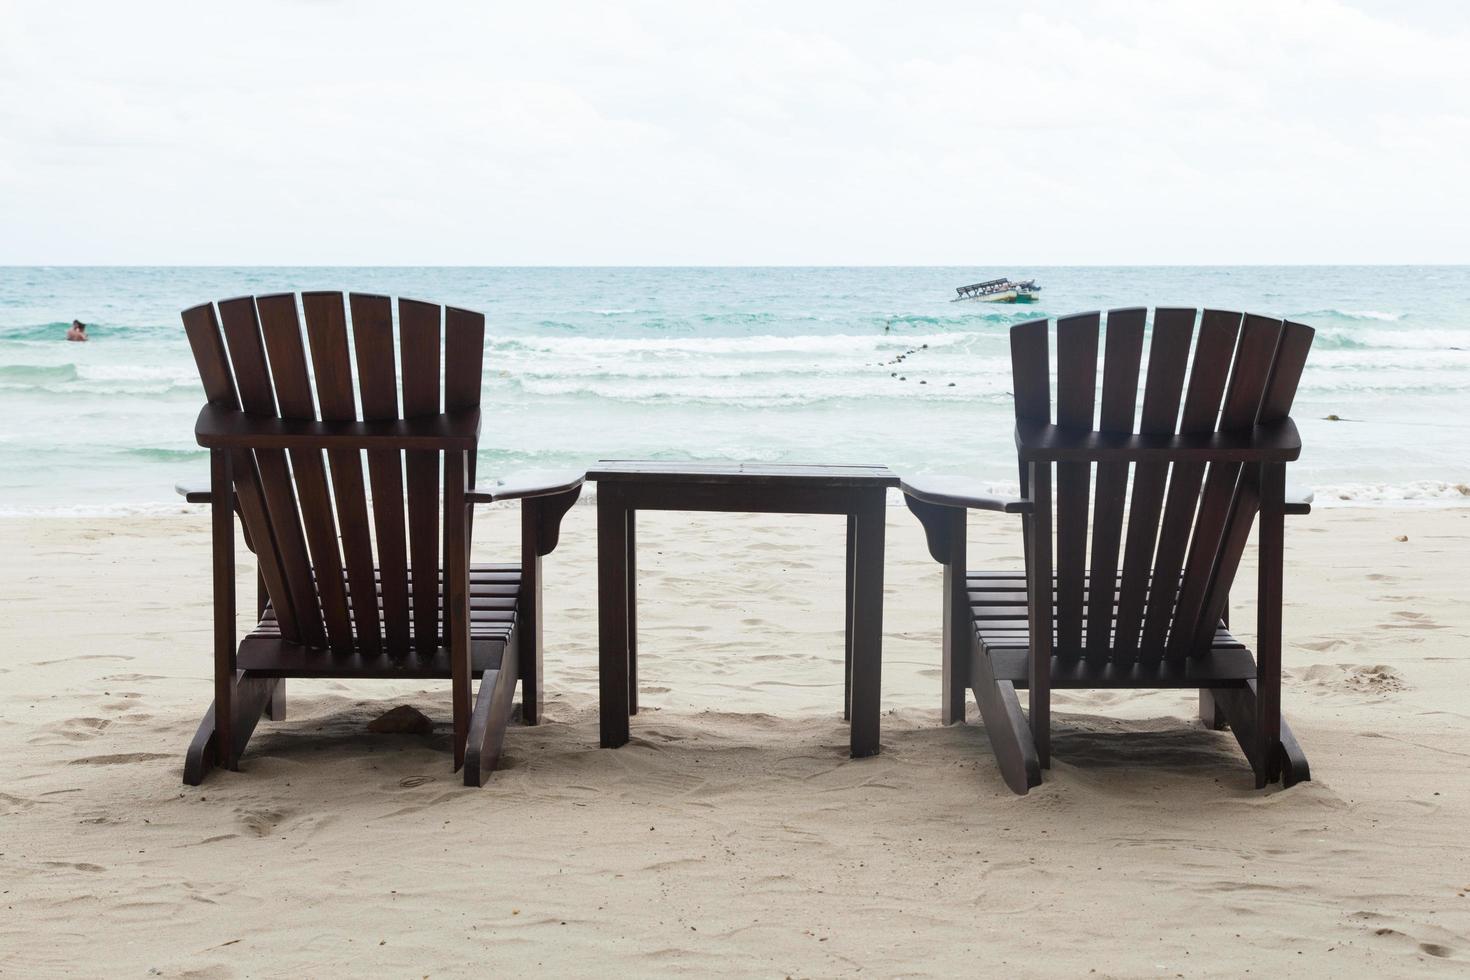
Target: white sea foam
(1423,493)
(748,344)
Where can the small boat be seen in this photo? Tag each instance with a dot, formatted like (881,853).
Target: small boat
(999,291)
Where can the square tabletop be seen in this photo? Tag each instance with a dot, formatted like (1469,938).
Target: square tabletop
(749,474)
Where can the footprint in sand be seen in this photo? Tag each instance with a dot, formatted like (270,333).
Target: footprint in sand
(83,729)
(261,822)
(1377,679)
(1407,619)
(120,759)
(75,866)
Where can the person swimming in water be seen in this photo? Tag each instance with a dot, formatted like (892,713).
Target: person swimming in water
(77,331)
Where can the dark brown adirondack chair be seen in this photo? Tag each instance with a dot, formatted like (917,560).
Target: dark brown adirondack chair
(1144,602)
(327,605)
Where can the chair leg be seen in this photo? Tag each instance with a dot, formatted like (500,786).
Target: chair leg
(491,717)
(1039,610)
(275,708)
(250,697)
(1240,707)
(528,616)
(1209,712)
(1010,735)
(851,556)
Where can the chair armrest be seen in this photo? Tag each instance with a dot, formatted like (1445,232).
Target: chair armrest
(531,483)
(545,497)
(194,495)
(952,491)
(1299,500)
(1274,442)
(220,427)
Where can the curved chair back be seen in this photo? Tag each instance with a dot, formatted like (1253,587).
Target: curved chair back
(314,539)
(1186,466)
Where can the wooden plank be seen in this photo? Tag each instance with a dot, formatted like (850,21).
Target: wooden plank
(281,330)
(1223,667)
(632,609)
(1030,371)
(203,332)
(251,697)
(1259,338)
(849,555)
(1268,620)
(1286,373)
(326,330)
(1218,331)
(957,642)
(1077,338)
(252,379)
(867,632)
(612,616)
(529,631)
(1039,590)
(418,327)
(464,359)
(456,601)
(750,474)
(377,380)
(491,718)
(222,539)
(1124,349)
(1167,363)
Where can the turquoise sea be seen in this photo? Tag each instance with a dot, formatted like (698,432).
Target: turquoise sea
(768,364)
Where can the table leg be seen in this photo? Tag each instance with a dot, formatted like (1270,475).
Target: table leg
(851,556)
(867,632)
(632,613)
(612,615)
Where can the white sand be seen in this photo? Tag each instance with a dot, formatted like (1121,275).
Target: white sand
(733,835)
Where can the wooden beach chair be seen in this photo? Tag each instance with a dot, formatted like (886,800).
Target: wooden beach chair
(1141,603)
(353,586)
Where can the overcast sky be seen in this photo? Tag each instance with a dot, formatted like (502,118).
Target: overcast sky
(743,133)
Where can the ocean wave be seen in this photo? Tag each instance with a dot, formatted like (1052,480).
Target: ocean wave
(1416,493)
(1338,338)
(1351,315)
(750,344)
(159,455)
(150,509)
(20,375)
(57,331)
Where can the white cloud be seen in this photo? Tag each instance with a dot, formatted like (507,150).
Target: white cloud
(823,133)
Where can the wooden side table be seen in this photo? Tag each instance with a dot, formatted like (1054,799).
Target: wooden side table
(625,487)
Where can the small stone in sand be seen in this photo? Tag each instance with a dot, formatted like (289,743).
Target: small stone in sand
(1402,537)
(402,720)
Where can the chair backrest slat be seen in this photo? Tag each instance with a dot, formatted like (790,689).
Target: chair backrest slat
(418,335)
(326,331)
(377,381)
(280,326)
(1218,331)
(1187,524)
(1249,373)
(252,378)
(309,518)
(203,332)
(464,364)
(1076,397)
(1168,361)
(1286,374)
(1122,354)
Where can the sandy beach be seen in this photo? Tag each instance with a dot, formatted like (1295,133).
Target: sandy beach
(733,836)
